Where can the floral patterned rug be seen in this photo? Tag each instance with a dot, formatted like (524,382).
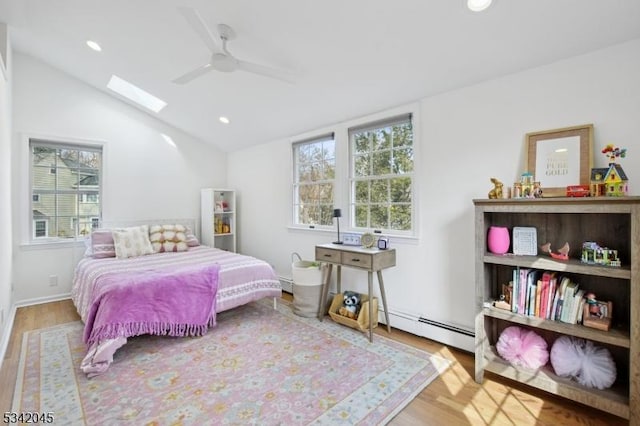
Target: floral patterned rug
(258,366)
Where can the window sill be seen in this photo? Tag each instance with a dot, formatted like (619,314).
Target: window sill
(49,245)
(409,239)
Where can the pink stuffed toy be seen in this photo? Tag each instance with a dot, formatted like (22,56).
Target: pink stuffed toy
(522,347)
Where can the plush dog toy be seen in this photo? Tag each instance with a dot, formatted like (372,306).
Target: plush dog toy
(350,305)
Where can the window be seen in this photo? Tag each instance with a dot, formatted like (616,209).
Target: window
(65,184)
(381,175)
(39,228)
(314,168)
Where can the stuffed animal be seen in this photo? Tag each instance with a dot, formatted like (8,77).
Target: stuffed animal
(350,305)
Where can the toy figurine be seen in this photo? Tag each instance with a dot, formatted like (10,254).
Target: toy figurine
(562,254)
(496,192)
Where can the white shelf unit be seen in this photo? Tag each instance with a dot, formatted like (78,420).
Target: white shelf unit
(611,221)
(218,218)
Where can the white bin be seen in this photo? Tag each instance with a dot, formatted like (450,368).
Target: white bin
(307,286)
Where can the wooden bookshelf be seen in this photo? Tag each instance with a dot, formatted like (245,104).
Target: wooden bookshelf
(612,222)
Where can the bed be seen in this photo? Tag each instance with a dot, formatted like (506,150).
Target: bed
(174,293)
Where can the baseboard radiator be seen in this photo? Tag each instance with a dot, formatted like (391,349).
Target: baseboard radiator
(449,327)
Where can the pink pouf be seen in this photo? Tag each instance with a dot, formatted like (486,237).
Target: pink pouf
(592,366)
(522,348)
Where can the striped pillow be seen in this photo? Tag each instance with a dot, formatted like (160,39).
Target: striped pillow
(102,244)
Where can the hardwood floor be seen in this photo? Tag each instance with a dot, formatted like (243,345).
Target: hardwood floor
(454,398)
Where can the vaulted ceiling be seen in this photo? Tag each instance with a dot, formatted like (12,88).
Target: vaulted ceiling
(350,57)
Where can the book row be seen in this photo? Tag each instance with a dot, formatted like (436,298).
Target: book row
(546,295)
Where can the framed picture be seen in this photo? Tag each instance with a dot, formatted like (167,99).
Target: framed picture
(559,158)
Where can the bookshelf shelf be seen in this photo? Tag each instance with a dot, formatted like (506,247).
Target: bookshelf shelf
(614,400)
(613,337)
(614,223)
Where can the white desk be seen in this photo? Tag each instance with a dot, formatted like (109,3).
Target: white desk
(367,259)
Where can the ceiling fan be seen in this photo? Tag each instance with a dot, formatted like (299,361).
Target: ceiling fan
(221,59)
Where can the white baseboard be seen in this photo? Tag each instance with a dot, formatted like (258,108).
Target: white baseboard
(45,299)
(6,333)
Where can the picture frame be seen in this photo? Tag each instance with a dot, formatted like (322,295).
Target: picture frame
(560,157)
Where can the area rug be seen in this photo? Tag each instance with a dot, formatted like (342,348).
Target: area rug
(259,366)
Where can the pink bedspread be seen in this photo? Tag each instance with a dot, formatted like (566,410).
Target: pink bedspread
(173,302)
(241,279)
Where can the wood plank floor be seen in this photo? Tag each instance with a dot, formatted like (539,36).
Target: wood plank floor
(452,399)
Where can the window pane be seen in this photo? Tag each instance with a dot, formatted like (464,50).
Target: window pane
(67,204)
(381,162)
(379,217)
(380,191)
(362,191)
(402,135)
(304,173)
(88,178)
(326,215)
(403,161)
(42,178)
(67,179)
(43,155)
(362,165)
(69,157)
(329,167)
(361,143)
(89,160)
(326,193)
(382,139)
(362,216)
(66,228)
(401,217)
(401,190)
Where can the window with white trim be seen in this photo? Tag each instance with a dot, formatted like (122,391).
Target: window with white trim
(381,176)
(65,189)
(314,171)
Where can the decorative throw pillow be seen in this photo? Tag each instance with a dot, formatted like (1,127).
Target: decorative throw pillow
(102,244)
(132,242)
(168,238)
(192,240)
(522,347)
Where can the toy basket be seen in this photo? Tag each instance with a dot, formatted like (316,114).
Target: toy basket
(362,322)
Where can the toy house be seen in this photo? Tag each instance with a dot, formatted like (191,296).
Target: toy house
(609,181)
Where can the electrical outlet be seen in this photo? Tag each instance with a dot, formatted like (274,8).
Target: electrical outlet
(53,280)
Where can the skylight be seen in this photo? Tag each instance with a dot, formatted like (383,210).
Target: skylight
(135,94)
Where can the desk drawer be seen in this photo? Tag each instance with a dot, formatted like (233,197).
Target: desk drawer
(359,260)
(327,255)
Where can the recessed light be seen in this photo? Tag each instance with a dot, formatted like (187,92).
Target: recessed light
(224,120)
(95,46)
(478,5)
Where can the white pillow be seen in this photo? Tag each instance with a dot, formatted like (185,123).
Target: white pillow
(132,242)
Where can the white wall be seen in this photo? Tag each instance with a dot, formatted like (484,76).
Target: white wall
(466,137)
(143,178)
(5,189)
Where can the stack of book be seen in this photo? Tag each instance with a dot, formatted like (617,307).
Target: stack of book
(546,295)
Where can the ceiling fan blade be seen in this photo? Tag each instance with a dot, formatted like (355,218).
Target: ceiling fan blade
(197,23)
(185,78)
(282,75)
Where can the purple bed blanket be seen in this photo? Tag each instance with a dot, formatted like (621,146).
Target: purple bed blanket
(176,302)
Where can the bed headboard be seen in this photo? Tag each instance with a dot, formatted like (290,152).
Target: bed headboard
(191,223)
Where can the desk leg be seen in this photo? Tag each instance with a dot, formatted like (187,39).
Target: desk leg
(370,283)
(324,291)
(384,300)
(339,278)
